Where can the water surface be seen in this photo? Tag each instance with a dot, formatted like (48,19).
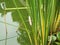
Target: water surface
(11,29)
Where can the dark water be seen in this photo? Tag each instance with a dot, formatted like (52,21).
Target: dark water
(11,30)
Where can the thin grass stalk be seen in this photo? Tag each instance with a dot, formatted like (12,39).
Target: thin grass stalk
(16,8)
(5,28)
(5,25)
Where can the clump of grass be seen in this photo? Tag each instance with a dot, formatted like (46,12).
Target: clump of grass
(43,16)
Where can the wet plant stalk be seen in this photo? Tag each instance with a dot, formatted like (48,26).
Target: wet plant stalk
(5,28)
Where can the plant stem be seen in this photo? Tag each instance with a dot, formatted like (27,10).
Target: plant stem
(16,8)
(5,27)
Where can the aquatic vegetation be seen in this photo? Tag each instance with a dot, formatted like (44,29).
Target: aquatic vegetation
(38,21)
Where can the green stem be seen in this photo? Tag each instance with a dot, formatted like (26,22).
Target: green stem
(16,8)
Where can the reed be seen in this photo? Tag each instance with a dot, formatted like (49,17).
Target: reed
(38,20)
